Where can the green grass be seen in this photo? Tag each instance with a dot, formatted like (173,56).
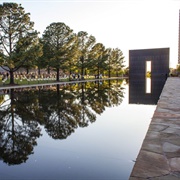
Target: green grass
(36,81)
(26,82)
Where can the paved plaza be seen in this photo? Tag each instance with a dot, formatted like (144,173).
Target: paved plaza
(159,157)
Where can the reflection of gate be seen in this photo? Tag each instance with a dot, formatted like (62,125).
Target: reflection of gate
(159,70)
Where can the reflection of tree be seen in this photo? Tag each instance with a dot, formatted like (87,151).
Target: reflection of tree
(27,106)
(17,135)
(60,113)
(115,93)
(86,113)
(1,99)
(66,108)
(60,109)
(102,94)
(98,98)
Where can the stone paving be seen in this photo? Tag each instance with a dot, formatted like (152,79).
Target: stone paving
(159,157)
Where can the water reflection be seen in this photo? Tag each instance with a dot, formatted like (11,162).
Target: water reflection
(59,109)
(18,128)
(142,93)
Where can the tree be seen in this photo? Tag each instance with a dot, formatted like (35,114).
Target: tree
(109,61)
(85,43)
(98,57)
(34,59)
(72,56)
(117,60)
(18,40)
(42,61)
(57,39)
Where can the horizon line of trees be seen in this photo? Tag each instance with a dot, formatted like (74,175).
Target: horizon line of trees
(59,48)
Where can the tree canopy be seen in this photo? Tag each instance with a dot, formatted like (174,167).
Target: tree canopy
(57,39)
(59,48)
(18,39)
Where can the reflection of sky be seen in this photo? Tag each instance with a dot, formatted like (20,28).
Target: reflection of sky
(5,103)
(148,85)
(104,150)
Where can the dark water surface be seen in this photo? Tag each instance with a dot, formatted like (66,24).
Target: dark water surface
(85,131)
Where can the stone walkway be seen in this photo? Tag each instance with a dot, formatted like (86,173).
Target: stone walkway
(159,157)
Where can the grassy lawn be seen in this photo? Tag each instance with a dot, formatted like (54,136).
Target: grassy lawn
(38,81)
(26,82)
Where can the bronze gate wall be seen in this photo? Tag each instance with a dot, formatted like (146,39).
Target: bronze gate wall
(159,59)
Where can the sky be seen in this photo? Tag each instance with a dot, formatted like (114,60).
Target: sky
(123,24)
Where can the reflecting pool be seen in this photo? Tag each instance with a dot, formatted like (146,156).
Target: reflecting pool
(80,131)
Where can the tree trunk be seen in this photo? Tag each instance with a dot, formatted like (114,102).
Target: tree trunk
(48,70)
(27,70)
(12,110)
(70,72)
(109,73)
(98,71)
(11,77)
(82,67)
(39,71)
(57,74)
(82,72)
(57,88)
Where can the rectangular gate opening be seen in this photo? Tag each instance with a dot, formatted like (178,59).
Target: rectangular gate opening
(148,76)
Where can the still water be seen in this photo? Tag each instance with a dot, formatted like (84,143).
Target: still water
(85,131)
